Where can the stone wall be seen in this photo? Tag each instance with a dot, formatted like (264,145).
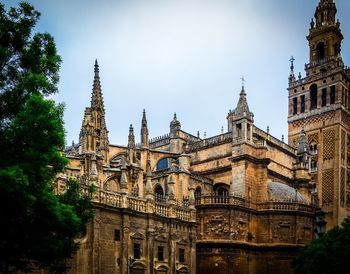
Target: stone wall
(108,246)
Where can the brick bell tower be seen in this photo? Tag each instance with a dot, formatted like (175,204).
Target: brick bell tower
(320,105)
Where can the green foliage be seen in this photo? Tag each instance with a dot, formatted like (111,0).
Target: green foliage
(29,63)
(38,227)
(328,254)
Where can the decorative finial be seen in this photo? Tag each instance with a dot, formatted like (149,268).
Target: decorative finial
(205,135)
(268,129)
(198,134)
(299,76)
(312,24)
(282,138)
(175,116)
(222,129)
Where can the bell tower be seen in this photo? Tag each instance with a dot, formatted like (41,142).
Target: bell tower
(319,104)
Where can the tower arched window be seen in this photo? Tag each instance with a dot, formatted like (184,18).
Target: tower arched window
(320,51)
(313,96)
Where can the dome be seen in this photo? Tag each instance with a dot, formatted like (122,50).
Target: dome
(282,192)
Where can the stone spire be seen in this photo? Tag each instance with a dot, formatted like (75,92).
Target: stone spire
(131,138)
(96,97)
(240,121)
(144,130)
(94,133)
(242,109)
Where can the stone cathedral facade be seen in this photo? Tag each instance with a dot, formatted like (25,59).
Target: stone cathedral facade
(239,202)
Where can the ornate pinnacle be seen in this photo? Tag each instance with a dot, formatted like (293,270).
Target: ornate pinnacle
(131,138)
(96,98)
(144,119)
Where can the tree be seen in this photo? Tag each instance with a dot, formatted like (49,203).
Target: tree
(328,254)
(38,227)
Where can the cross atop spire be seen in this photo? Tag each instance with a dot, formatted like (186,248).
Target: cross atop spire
(243,81)
(291,60)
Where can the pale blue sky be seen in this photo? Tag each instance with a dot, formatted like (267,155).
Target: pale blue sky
(183,56)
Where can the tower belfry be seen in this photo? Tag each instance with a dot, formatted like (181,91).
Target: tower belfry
(319,104)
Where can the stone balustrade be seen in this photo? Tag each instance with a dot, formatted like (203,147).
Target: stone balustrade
(161,208)
(283,205)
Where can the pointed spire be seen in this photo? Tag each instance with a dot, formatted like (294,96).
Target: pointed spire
(144,119)
(96,97)
(131,137)
(94,134)
(144,130)
(242,108)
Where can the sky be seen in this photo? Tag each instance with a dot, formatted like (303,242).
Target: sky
(183,56)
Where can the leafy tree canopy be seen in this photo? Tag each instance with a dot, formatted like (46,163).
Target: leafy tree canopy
(327,255)
(38,227)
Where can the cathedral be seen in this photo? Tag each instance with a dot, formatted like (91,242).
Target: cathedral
(239,202)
